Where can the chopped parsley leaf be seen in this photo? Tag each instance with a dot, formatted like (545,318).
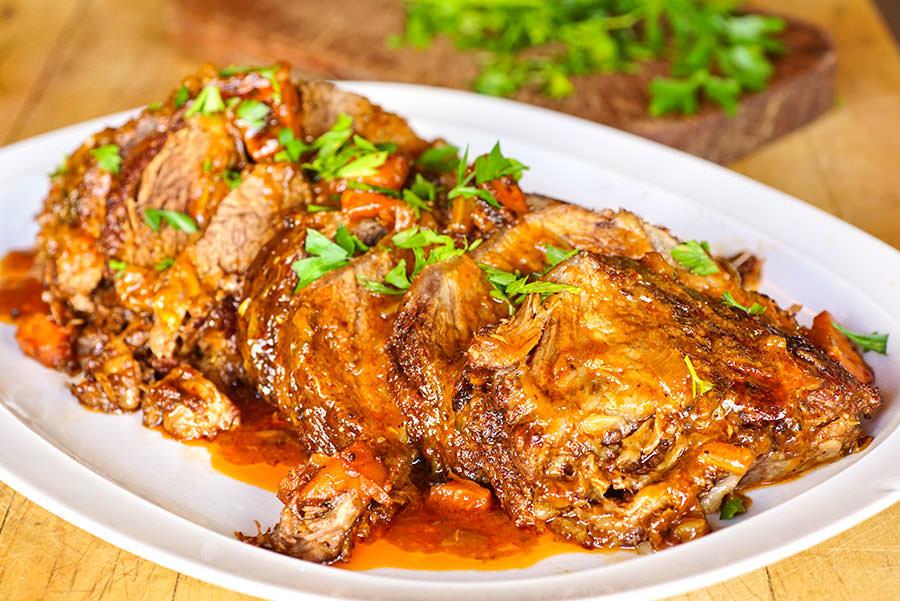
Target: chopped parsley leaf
(292,148)
(868,342)
(253,113)
(420,195)
(556,255)
(182,95)
(232,178)
(324,256)
(395,281)
(340,157)
(207,102)
(311,208)
(512,287)
(164,264)
(176,219)
(694,256)
(699,386)
(439,159)
(118,267)
(108,157)
(355,185)
(754,309)
(732,506)
(494,165)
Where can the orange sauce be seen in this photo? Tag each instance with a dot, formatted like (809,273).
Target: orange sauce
(428,539)
(20,291)
(261,451)
(265,447)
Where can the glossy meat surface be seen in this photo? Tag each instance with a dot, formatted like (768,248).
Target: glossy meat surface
(585,415)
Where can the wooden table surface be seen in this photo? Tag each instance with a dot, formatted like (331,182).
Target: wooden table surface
(64,61)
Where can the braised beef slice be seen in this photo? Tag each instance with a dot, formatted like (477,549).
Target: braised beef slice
(585,415)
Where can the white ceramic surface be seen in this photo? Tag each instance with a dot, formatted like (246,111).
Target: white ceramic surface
(161,500)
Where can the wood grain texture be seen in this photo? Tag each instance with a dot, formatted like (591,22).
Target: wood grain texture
(65,61)
(331,44)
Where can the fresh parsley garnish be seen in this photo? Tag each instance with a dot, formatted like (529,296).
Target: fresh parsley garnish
(340,154)
(182,95)
(754,309)
(117,267)
(176,219)
(154,106)
(395,281)
(494,165)
(207,102)
(699,386)
(417,239)
(232,178)
(694,256)
(292,148)
(512,287)
(164,264)
(311,208)
(324,255)
(253,113)
(108,157)
(207,166)
(715,52)
(868,342)
(439,159)
(486,168)
(355,185)
(420,195)
(556,255)
(732,506)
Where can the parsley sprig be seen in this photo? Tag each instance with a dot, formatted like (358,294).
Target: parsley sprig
(108,157)
(253,113)
(340,154)
(486,168)
(868,342)
(714,51)
(439,159)
(512,287)
(754,309)
(699,386)
(207,102)
(324,255)
(176,219)
(416,239)
(694,256)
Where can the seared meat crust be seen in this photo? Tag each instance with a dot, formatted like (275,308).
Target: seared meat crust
(585,415)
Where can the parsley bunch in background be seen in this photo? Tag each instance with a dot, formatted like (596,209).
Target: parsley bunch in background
(715,52)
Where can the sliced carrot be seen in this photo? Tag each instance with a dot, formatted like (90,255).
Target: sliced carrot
(508,193)
(460,495)
(824,335)
(43,339)
(391,174)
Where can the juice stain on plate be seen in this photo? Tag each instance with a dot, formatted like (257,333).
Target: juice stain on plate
(427,539)
(261,451)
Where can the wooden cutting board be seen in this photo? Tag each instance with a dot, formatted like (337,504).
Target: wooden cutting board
(346,40)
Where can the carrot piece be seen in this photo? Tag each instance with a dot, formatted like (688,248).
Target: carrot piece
(43,339)
(391,174)
(508,193)
(355,468)
(460,495)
